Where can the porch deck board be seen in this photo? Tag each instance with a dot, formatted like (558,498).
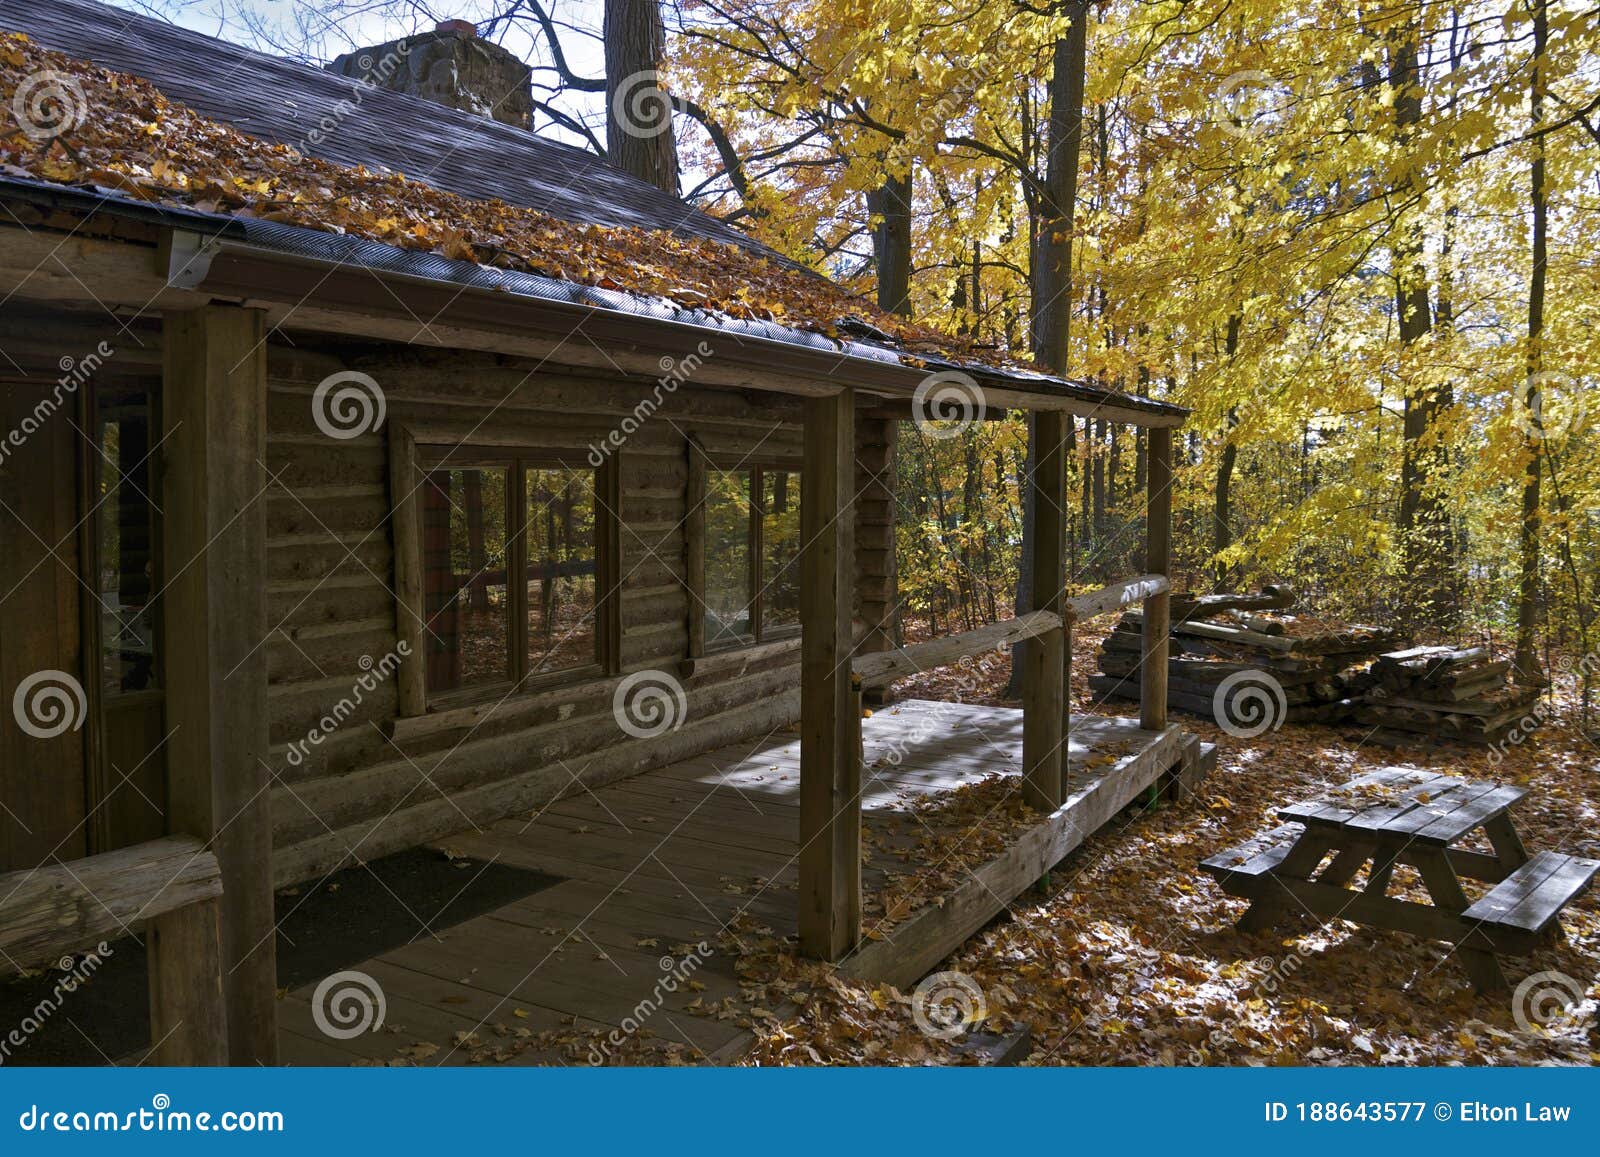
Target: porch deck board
(669,858)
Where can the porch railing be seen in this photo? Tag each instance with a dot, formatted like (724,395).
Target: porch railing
(171,888)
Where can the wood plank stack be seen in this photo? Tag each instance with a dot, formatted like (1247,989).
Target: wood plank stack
(1305,670)
(1442,693)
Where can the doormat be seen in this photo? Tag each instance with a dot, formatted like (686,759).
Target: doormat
(101,1014)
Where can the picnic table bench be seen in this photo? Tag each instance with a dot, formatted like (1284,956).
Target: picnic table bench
(1421,819)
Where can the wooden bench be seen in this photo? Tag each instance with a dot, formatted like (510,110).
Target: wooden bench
(1255,857)
(1530,899)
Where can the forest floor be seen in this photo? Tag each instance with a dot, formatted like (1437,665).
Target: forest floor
(1131,956)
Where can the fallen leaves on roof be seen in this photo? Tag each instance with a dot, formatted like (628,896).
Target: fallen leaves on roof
(134,141)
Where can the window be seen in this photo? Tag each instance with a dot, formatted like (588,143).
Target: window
(513,570)
(752,554)
(125,546)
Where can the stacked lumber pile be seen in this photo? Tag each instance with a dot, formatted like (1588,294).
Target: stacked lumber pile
(1442,693)
(1301,670)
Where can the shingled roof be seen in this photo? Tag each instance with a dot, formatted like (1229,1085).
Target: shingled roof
(340,120)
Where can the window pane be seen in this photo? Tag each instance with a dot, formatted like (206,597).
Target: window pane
(727,592)
(780,565)
(561,569)
(125,518)
(464,578)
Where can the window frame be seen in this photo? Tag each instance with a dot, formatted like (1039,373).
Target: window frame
(417,453)
(755,589)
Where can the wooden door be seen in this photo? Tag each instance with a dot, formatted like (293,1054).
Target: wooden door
(43,700)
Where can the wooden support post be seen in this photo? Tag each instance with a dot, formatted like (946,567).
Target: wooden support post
(405,502)
(694,554)
(214,386)
(1044,704)
(188,1021)
(1158,560)
(830,752)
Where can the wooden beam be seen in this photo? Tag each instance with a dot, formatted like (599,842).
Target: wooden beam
(1043,666)
(405,499)
(1116,597)
(830,760)
(48,912)
(909,660)
(1158,561)
(214,394)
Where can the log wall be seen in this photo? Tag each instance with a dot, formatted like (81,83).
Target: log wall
(331,572)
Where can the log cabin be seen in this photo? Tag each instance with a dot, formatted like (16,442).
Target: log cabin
(320,544)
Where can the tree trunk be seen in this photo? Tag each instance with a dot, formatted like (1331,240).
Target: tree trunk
(890,208)
(1222,512)
(1424,522)
(1527,657)
(639,136)
(1051,307)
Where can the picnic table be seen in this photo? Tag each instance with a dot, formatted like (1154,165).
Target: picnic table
(1421,819)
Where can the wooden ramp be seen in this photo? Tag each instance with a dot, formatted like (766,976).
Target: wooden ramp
(658,865)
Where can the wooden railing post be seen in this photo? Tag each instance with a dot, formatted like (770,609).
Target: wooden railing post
(1158,561)
(1043,691)
(830,745)
(214,401)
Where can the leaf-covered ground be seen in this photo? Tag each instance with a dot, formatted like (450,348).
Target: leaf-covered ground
(1131,956)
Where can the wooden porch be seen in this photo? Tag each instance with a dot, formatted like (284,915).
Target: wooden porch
(670,859)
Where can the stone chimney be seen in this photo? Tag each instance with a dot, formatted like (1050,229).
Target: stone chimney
(449,66)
